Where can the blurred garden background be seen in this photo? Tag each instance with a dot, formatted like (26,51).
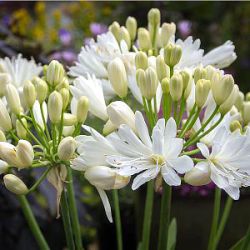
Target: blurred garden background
(58,30)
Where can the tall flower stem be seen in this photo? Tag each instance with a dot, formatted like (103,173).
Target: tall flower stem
(118,224)
(32,223)
(73,211)
(67,222)
(223,221)
(216,213)
(164,216)
(148,216)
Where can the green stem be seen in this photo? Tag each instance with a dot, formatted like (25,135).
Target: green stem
(73,211)
(223,221)
(117,219)
(192,152)
(216,213)
(148,216)
(182,109)
(164,216)
(32,223)
(66,221)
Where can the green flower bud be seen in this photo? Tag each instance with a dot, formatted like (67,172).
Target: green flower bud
(55,73)
(69,119)
(82,109)
(64,84)
(41,89)
(29,93)
(246,112)
(124,35)
(199,73)
(248,96)
(172,54)
(176,87)
(131,25)
(5,121)
(118,77)
(221,87)
(186,78)
(210,71)
(108,128)
(3,167)
(165,85)
(161,68)
(235,125)
(66,148)
(55,106)
(15,184)
(154,17)
(141,60)
(4,80)
(25,153)
(20,129)
(65,97)
(2,136)
(239,101)
(202,89)
(144,39)
(167,30)
(13,99)
(115,29)
(227,105)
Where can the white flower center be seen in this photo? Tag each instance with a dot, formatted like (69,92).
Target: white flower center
(158,159)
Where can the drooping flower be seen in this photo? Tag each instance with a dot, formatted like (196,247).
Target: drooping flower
(151,157)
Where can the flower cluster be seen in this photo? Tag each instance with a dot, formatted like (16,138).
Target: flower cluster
(190,106)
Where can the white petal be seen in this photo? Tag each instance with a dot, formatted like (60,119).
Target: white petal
(204,149)
(158,141)
(106,204)
(182,164)
(170,176)
(173,149)
(170,130)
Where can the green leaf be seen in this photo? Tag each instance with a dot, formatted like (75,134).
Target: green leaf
(172,234)
(238,244)
(139,247)
(243,243)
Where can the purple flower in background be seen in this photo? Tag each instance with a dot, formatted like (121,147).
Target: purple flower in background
(6,20)
(184,27)
(98,28)
(65,37)
(65,56)
(87,40)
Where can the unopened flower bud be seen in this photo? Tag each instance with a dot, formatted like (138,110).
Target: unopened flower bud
(5,121)
(120,113)
(41,89)
(176,87)
(66,148)
(165,85)
(20,129)
(15,184)
(227,105)
(167,30)
(239,101)
(141,60)
(199,73)
(55,106)
(154,17)
(4,80)
(246,112)
(105,178)
(118,77)
(108,128)
(2,136)
(202,89)
(29,93)
(3,167)
(144,39)
(210,71)
(131,25)
(161,68)
(198,176)
(13,99)
(63,84)
(151,83)
(115,29)
(186,78)
(124,35)
(82,109)
(69,119)
(235,125)
(221,87)
(25,153)
(65,97)
(172,54)
(55,73)
(8,153)
(248,96)
(68,130)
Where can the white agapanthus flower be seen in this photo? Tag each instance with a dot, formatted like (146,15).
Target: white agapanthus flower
(157,156)
(227,162)
(20,69)
(92,161)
